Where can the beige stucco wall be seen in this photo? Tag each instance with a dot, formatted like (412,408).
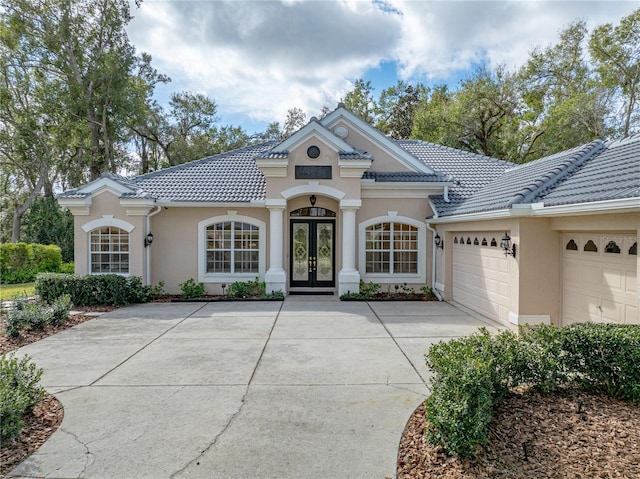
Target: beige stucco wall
(104,204)
(174,252)
(536,272)
(383,161)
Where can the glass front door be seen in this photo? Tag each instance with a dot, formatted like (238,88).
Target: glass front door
(312,253)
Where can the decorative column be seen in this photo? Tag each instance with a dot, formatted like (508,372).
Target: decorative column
(276,278)
(349,277)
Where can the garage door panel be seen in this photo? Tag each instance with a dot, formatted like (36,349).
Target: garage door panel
(481,277)
(631,282)
(614,278)
(599,286)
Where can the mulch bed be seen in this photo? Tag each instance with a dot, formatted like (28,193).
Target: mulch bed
(39,425)
(8,344)
(47,415)
(600,441)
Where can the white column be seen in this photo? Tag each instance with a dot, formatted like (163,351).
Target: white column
(275,278)
(349,277)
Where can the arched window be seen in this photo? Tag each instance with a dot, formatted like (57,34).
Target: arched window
(494,242)
(391,248)
(572,246)
(469,240)
(455,240)
(484,241)
(612,247)
(590,246)
(231,247)
(313,211)
(109,250)
(476,242)
(634,249)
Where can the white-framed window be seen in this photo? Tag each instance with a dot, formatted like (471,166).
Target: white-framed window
(231,248)
(392,249)
(109,241)
(109,250)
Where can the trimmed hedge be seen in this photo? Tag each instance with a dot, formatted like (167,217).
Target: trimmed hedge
(21,262)
(90,290)
(472,374)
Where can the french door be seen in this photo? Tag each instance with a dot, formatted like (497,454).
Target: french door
(312,255)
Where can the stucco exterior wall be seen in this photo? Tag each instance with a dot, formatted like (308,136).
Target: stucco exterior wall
(174,252)
(107,204)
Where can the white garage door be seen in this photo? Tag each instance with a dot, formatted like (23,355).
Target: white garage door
(599,278)
(481,274)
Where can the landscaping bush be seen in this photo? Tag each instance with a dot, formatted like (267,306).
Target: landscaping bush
(191,289)
(90,290)
(33,315)
(21,262)
(19,391)
(246,289)
(472,374)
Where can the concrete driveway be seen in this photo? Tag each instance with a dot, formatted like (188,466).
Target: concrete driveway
(308,388)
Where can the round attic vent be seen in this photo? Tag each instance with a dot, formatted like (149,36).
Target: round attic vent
(313,151)
(341,131)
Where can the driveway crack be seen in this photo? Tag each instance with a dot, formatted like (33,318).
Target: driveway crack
(88,454)
(243,401)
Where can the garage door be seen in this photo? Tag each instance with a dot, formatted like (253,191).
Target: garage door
(599,278)
(481,274)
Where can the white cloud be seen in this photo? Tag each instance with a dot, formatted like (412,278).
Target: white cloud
(260,58)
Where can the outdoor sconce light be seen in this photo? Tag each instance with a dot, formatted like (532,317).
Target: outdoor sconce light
(148,239)
(312,200)
(438,241)
(505,244)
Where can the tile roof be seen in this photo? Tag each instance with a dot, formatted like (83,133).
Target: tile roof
(404,177)
(469,171)
(228,177)
(613,174)
(521,184)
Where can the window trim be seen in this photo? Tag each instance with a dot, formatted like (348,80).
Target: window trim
(203,276)
(106,220)
(389,278)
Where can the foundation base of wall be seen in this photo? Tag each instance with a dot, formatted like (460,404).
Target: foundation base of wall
(349,281)
(530,319)
(276,280)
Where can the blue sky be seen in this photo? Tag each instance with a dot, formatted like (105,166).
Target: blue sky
(257,59)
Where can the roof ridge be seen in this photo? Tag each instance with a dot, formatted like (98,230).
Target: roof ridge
(580,155)
(622,141)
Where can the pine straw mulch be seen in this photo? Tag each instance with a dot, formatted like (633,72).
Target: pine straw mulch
(600,441)
(40,424)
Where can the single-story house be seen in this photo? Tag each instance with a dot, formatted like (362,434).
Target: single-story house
(551,241)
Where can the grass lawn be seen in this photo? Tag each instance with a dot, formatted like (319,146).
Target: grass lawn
(11,291)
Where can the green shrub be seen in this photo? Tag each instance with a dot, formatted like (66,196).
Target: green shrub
(246,289)
(191,289)
(60,309)
(21,262)
(90,290)
(67,268)
(33,315)
(19,391)
(604,357)
(472,374)
(369,290)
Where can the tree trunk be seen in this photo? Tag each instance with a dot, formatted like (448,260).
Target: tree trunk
(21,209)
